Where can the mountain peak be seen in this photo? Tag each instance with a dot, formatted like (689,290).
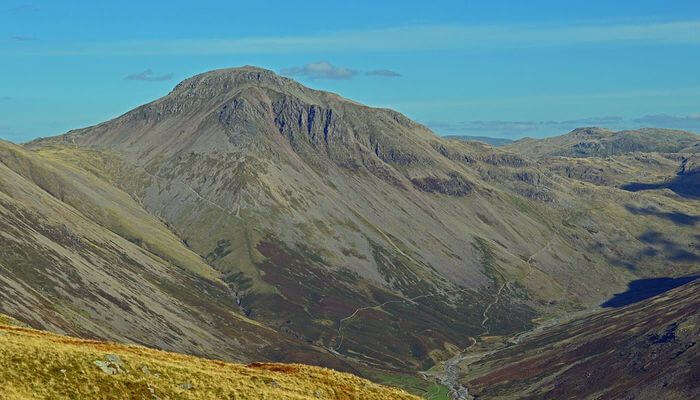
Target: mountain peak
(244,72)
(229,79)
(254,108)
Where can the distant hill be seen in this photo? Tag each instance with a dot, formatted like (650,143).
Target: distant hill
(484,139)
(632,160)
(40,365)
(597,142)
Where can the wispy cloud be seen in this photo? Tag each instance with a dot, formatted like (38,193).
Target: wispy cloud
(387,73)
(326,70)
(23,8)
(22,38)
(406,38)
(149,76)
(520,128)
(515,129)
(689,122)
(665,119)
(606,120)
(320,70)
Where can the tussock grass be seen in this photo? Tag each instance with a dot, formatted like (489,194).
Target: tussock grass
(41,365)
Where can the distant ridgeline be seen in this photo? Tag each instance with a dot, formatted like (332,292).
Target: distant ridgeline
(484,139)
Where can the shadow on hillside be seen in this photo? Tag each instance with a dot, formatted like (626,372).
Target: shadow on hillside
(658,249)
(687,186)
(676,217)
(642,289)
(671,250)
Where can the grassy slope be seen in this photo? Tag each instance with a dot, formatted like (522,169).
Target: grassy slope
(563,236)
(91,195)
(66,269)
(40,365)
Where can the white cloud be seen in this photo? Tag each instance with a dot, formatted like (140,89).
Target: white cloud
(320,70)
(326,70)
(688,122)
(23,8)
(408,38)
(23,38)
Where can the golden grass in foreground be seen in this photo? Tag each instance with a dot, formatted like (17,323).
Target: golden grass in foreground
(41,365)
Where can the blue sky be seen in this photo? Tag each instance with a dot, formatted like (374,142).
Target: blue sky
(495,68)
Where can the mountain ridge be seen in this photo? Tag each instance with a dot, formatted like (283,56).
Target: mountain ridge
(600,142)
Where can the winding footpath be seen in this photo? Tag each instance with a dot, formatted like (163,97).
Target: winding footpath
(450,375)
(411,300)
(507,283)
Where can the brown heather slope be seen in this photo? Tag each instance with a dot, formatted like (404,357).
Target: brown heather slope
(648,350)
(41,365)
(354,229)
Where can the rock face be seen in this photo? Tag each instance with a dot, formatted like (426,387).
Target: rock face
(347,230)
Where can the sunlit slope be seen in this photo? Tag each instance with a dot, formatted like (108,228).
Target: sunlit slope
(80,257)
(94,198)
(40,365)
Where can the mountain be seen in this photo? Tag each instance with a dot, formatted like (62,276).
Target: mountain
(40,365)
(586,142)
(646,350)
(493,141)
(280,223)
